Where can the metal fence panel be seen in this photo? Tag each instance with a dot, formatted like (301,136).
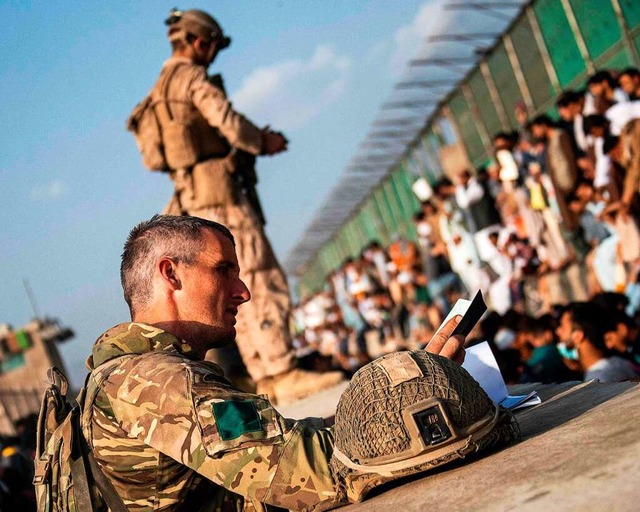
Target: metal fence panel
(505,80)
(432,143)
(617,60)
(402,214)
(383,213)
(485,104)
(394,208)
(598,25)
(371,211)
(556,32)
(402,182)
(325,260)
(631,12)
(532,64)
(467,126)
(368,225)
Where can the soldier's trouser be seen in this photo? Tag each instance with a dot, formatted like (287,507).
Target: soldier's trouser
(262,328)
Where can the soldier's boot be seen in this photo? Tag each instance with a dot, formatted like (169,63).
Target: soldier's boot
(296,384)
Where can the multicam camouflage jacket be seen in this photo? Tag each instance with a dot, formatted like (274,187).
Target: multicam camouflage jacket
(172,433)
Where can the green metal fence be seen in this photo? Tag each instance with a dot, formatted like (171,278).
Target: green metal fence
(551,46)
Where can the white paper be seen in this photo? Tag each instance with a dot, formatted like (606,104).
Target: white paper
(482,365)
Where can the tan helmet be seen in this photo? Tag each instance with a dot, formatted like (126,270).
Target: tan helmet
(197,23)
(408,412)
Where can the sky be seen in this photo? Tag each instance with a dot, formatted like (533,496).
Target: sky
(71,178)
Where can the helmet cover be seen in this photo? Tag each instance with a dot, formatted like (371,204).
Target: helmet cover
(408,412)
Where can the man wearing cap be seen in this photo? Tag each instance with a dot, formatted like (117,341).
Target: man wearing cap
(208,148)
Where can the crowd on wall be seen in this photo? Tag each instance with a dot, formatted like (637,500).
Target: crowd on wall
(548,231)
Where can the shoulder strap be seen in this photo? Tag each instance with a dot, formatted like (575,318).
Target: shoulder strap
(78,464)
(160,95)
(111,497)
(87,461)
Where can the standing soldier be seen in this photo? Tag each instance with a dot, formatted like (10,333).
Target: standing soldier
(187,127)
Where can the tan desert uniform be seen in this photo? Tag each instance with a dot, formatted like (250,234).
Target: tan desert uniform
(208,190)
(171,433)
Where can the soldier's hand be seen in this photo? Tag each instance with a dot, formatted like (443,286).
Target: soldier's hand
(273,142)
(445,345)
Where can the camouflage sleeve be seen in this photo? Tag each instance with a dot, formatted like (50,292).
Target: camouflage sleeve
(235,439)
(218,111)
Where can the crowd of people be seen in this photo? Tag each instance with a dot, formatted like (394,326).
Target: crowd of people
(545,230)
(548,231)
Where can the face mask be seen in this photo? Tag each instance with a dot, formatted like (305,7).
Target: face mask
(568,353)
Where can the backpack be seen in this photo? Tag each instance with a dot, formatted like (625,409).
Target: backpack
(165,142)
(67,476)
(143,123)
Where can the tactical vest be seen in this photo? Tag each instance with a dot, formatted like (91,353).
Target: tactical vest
(174,137)
(187,137)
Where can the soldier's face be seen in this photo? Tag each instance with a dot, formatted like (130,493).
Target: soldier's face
(211,292)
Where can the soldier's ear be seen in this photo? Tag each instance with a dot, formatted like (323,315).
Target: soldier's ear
(167,271)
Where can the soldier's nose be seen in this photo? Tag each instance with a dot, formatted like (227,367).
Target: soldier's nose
(242,292)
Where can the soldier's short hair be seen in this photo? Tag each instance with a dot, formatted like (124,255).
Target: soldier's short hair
(180,238)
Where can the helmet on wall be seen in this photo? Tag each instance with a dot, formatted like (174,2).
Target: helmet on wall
(408,412)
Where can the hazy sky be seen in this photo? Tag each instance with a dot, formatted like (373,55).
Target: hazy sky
(71,178)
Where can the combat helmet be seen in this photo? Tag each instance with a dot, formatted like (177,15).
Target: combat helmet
(408,412)
(197,23)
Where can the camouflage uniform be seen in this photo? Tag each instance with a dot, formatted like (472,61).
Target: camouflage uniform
(209,190)
(171,433)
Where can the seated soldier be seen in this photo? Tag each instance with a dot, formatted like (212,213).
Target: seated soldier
(166,428)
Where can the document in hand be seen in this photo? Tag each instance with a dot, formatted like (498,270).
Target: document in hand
(480,361)
(471,311)
(481,364)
